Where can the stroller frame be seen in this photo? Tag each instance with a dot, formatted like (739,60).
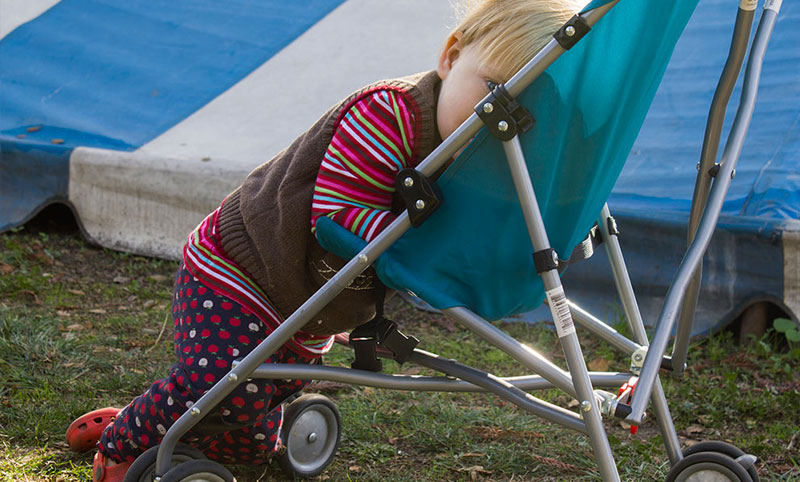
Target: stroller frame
(577,381)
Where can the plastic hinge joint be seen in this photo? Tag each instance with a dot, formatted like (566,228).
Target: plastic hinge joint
(503,115)
(420,195)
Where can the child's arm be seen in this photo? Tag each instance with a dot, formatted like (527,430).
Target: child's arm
(355,184)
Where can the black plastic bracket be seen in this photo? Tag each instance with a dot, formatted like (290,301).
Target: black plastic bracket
(503,115)
(571,32)
(420,195)
(545,260)
(380,331)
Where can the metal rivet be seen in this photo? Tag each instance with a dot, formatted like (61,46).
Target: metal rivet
(733,173)
(408,182)
(698,166)
(488,107)
(502,126)
(420,204)
(570,31)
(194,411)
(312,437)
(363,258)
(637,357)
(156,479)
(586,406)
(232,377)
(555,257)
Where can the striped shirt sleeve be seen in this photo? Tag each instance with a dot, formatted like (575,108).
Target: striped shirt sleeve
(355,183)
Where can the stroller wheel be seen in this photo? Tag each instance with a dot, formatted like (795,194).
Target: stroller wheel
(731,451)
(708,467)
(313,430)
(142,469)
(198,471)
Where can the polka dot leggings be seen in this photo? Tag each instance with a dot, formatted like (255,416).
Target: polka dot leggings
(211,331)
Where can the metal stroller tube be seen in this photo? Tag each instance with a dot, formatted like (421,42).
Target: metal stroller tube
(691,260)
(716,116)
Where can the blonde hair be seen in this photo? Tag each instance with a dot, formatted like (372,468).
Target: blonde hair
(508,33)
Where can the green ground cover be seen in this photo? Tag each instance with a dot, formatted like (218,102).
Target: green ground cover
(82,327)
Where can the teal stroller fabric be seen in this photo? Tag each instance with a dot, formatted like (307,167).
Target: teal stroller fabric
(474,251)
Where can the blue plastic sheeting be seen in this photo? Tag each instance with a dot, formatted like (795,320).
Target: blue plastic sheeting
(475,251)
(767,182)
(115,75)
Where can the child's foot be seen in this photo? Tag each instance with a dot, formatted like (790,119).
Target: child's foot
(83,434)
(106,470)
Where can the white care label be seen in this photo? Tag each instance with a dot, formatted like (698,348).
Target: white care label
(560,310)
(748,4)
(774,5)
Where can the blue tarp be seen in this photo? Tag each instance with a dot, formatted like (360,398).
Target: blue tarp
(114,75)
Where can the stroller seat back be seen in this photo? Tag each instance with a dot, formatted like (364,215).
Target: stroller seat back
(589,105)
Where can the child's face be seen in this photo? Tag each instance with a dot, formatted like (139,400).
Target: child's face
(464,84)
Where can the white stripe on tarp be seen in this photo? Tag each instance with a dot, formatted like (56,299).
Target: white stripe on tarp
(14,13)
(360,42)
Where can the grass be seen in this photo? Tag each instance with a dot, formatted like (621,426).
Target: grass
(82,327)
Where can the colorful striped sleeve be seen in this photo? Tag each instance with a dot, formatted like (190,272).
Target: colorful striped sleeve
(355,183)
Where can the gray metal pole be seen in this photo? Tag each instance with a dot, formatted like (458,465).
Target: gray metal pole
(716,116)
(561,313)
(417,383)
(708,221)
(526,355)
(631,308)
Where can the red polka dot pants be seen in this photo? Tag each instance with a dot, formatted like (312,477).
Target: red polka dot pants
(211,331)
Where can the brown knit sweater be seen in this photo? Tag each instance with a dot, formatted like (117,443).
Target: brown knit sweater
(265,224)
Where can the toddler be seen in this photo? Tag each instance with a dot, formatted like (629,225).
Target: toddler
(255,259)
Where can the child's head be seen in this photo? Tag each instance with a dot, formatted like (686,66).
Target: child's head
(492,42)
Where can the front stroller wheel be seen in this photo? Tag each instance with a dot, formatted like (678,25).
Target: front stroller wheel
(313,430)
(732,451)
(143,468)
(198,471)
(708,467)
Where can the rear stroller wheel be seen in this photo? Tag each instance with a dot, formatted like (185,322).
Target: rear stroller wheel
(708,467)
(313,429)
(142,469)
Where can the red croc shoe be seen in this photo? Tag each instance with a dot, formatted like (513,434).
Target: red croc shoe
(83,434)
(102,472)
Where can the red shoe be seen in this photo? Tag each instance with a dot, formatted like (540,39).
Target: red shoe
(102,472)
(83,434)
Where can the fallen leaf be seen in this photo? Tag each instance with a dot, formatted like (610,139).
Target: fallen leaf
(354,468)
(598,365)
(121,279)
(6,268)
(98,311)
(472,454)
(694,429)
(74,326)
(573,403)
(77,292)
(148,304)
(157,277)
(62,313)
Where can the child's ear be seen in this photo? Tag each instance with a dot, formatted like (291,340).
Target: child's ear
(449,55)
